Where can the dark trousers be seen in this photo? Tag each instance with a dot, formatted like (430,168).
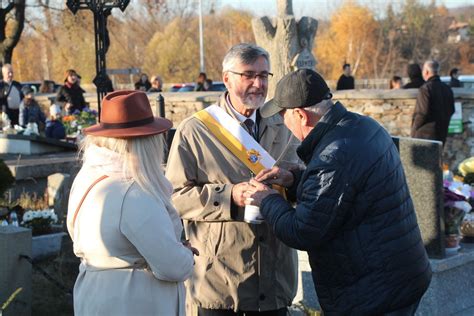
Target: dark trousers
(13,115)
(406,311)
(228,312)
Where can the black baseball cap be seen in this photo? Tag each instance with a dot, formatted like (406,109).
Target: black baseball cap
(298,89)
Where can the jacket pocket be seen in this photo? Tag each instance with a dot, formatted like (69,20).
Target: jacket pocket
(356,256)
(215,237)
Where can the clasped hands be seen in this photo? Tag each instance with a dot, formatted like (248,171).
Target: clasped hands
(258,188)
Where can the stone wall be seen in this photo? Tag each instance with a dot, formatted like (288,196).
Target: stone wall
(392,108)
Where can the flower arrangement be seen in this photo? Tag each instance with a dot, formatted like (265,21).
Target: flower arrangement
(458,197)
(39,221)
(78,120)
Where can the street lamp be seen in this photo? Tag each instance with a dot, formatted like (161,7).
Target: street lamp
(201,40)
(101,10)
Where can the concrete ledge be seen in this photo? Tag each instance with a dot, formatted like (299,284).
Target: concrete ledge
(41,166)
(451,291)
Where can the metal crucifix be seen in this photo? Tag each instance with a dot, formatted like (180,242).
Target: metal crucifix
(101,10)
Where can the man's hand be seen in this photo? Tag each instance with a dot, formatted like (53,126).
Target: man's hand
(276,175)
(238,191)
(257,192)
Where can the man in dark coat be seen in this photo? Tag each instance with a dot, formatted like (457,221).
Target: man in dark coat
(455,82)
(354,214)
(10,95)
(346,81)
(434,106)
(416,78)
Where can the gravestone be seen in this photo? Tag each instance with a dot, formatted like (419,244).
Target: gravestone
(15,272)
(59,185)
(421,160)
(288,42)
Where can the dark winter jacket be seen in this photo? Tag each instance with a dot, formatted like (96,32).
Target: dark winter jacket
(55,129)
(416,77)
(12,113)
(73,95)
(455,83)
(354,217)
(345,83)
(31,113)
(433,110)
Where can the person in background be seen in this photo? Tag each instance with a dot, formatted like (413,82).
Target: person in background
(200,82)
(71,95)
(416,78)
(143,84)
(156,84)
(54,126)
(10,95)
(434,106)
(124,228)
(346,81)
(454,74)
(47,86)
(353,214)
(242,268)
(396,82)
(109,87)
(30,111)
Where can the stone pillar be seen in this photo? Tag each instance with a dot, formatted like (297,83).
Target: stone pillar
(284,38)
(59,185)
(15,272)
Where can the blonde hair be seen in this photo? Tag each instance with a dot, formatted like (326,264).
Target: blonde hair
(142,159)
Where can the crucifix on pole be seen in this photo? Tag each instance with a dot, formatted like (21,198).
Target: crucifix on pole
(101,10)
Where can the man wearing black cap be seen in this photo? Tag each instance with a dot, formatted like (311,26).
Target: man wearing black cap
(354,214)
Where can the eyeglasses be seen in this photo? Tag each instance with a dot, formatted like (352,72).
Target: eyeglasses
(252,75)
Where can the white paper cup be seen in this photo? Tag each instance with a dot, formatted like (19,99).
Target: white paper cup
(252,214)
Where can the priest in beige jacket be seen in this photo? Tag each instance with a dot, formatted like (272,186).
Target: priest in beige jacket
(120,218)
(242,267)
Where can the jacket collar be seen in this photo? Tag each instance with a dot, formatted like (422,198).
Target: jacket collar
(327,122)
(434,78)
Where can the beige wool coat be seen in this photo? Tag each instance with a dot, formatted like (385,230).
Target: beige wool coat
(132,260)
(241,266)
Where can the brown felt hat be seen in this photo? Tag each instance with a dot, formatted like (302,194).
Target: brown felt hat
(126,114)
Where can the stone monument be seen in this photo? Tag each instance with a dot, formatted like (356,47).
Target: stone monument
(289,42)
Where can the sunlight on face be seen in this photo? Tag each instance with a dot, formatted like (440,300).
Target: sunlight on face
(245,92)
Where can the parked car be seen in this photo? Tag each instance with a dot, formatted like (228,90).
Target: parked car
(189,87)
(466,80)
(35,85)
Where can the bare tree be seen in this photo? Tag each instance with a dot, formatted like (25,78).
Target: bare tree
(12,20)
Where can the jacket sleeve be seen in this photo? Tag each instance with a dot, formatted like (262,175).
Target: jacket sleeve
(194,198)
(421,110)
(147,225)
(23,116)
(321,210)
(61,96)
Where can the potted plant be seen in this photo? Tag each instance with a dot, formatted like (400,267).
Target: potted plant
(455,208)
(41,219)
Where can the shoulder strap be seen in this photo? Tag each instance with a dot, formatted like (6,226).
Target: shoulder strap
(84,197)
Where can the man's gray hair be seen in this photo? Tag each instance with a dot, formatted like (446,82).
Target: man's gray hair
(432,66)
(243,53)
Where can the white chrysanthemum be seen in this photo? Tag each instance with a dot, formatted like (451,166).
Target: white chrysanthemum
(27,216)
(37,214)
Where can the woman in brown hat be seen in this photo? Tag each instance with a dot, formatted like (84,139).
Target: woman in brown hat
(120,218)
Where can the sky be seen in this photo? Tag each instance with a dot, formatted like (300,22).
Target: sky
(319,8)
